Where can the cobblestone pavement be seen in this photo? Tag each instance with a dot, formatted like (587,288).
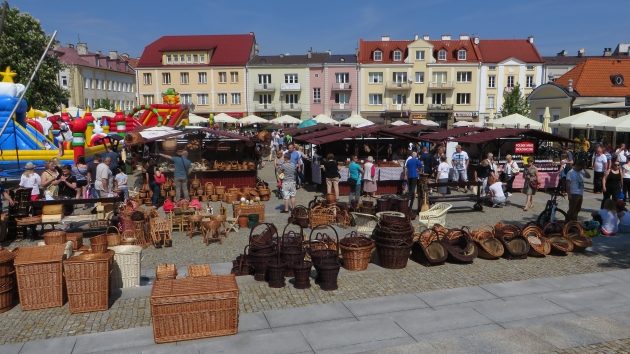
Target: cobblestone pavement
(621,346)
(18,326)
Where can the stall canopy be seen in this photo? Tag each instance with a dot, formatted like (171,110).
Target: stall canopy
(516,121)
(429,123)
(451,133)
(286,119)
(344,134)
(329,136)
(195,119)
(224,118)
(619,124)
(463,123)
(308,123)
(399,122)
(305,134)
(157,133)
(356,120)
(324,119)
(252,119)
(216,133)
(101,112)
(584,120)
(506,133)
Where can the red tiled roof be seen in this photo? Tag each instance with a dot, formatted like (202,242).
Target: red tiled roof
(367,48)
(70,56)
(452,47)
(231,49)
(593,77)
(498,50)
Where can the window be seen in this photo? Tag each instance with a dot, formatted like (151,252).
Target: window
(202,58)
(317,95)
(222,77)
(202,77)
(375,78)
(342,97)
(397,55)
(491,81)
(93,84)
(461,54)
(439,98)
(264,99)
(188,58)
(185,98)
(377,55)
(492,67)
(264,78)
(290,78)
(510,81)
(147,79)
(442,54)
(399,99)
(222,98)
(148,99)
(464,76)
(463,98)
(166,78)
(419,98)
(64,81)
(183,78)
(376,99)
(439,77)
(530,81)
(490,102)
(419,54)
(233,76)
(195,58)
(169,59)
(202,98)
(87,83)
(236,98)
(175,58)
(530,67)
(400,77)
(110,85)
(99,84)
(342,78)
(291,98)
(419,77)
(182,58)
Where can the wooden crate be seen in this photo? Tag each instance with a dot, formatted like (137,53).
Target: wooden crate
(40,276)
(192,308)
(250,209)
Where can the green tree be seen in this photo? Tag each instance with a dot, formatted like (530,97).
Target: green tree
(515,102)
(104,103)
(22,42)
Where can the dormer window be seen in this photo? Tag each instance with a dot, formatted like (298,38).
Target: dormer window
(377,56)
(442,54)
(461,54)
(397,55)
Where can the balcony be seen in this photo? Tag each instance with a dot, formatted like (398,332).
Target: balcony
(397,107)
(341,107)
(290,87)
(395,85)
(264,88)
(440,107)
(291,107)
(447,85)
(341,87)
(264,107)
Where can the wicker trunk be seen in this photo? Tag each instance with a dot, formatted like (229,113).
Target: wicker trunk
(87,281)
(40,277)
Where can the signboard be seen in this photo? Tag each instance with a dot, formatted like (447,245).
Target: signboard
(418,115)
(290,87)
(524,148)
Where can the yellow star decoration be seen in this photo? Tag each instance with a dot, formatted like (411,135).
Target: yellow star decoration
(7,75)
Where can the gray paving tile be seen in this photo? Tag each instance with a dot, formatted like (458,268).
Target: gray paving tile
(114,340)
(601,278)
(440,320)
(574,281)
(322,337)
(53,345)
(308,314)
(377,346)
(458,332)
(623,274)
(536,321)
(621,316)
(252,322)
(500,341)
(272,343)
(414,348)
(622,288)
(455,296)
(579,332)
(130,293)
(308,326)
(165,348)
(11,348)
(385,304)
(517,308)
(392,315)
(583,299)
(515,288)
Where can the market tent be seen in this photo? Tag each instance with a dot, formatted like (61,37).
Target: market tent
(195,119)
(102,112)
(506,133)
(429,123)
(252,119)
(308,123)
(463,123)
(324,119)
(286,119)
(344,134)
(355,120)
(451,133)
(365,124)
(584,120)
(305,134)
(516,120)
(224,118)
(399,122)
(619,124)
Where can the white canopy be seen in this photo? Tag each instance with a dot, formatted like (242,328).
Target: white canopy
(252,119)
(429,123)
(157,132)
(195,119)
(584,120)
(467,124)
(356,120)
(72,111)
(324,119)
(224,118)
(286,119)
(619,124)
(399,122)
(101,112)
(516,120)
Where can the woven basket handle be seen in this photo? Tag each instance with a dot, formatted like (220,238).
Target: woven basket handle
(114,227)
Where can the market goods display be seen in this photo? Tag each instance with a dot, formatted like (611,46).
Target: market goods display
(261,248)
(55,237)
(76,238)
(428,248)
(199,270)
(516,247)
(291,249)
(394,238)
(40,276)
(539,245)
(126,266)
(7,280)
(356,251)
(488,246)
(324,253)
(574,231)
(460,246)
(560,243)
(87,281)
(165,271)
(299,216)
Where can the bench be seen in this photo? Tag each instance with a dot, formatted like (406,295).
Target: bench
(468,197)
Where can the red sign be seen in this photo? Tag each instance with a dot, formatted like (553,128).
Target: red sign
(524,148)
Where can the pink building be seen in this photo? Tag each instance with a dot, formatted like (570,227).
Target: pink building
(334,87)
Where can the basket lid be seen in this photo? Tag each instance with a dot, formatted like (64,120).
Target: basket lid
(6,255)
(92,256)
(194,286)
(40,254)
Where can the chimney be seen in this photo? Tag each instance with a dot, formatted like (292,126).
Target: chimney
(309,53)
(113,54)
(82,48)
(562,53)
(607,52)
(99,52)
(464,37)
(476,40)
(329,52)
(570,88)
(281,55)
(415,38)
(581,52)
(446,37)
(426,37)
(530,39)
(385,38)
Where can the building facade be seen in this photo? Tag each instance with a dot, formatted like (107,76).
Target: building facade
(208,71)
(334,89)
(93,79)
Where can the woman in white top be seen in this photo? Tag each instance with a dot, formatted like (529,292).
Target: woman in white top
(443,171)
(510,170)
(30,179)
(495,190)
(369,175)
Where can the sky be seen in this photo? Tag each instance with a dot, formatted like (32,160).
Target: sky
(294,27)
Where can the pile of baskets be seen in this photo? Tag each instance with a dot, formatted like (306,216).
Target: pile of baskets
(214,193)
(393,237)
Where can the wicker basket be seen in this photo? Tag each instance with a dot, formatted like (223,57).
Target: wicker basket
(28,220)
(428,249)
(574,231)
(55,237)
(87,281)
(199,270)
(539,245)
(192,308)
(53,209)
(209,187)
(113,239)
(356,251)
(165,271)
(40,276)
(98,243)
(394,256)
(6,262)
(126,267)
(76,238)
(487,245)
(249,210)
(299,216)
(319,215)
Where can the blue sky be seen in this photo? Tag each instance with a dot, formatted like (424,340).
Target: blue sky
(295,26)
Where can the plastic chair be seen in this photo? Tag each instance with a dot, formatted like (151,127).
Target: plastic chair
(435,215)
(365,223)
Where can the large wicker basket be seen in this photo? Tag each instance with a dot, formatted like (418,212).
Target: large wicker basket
(40,276)
(98,243)
(356,251)
(319,215)
(126,267)
(76,238)
(165,271)
(55,237)
(87,281)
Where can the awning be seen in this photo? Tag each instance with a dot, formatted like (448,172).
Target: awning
(451,133)
(346,134)
(496,134)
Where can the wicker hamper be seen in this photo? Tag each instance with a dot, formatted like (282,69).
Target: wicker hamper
(40,276)
(87,281)
(192,308)
(126,267)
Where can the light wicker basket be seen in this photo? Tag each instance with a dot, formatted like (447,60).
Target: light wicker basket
(365,223)
(126,267)
(435,215)
(87,281)
(199,270)
(165,271)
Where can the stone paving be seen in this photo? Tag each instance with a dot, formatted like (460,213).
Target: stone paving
(621,346)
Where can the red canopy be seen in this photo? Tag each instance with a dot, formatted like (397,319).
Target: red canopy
(450,133)
(490,135)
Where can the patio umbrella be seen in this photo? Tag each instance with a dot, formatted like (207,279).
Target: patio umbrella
(102,112)
(252,119)
(356,120)
(516,121)
(224,118)
(584,120)
(195,119)
(619,124)
(324,119)
(399,122)
(429,123)
(546,120)
(73,111)
(286,119)
(307,123)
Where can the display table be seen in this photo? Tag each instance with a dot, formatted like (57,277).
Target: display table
(388,180)
(226,178)
(259,209)
(546,180)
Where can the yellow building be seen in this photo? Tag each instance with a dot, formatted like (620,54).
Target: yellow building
(208,71)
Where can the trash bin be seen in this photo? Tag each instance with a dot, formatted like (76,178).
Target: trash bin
(252,220)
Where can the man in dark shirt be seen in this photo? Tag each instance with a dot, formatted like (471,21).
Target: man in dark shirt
(67,188)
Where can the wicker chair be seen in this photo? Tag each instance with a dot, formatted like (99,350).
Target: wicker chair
(365,223)
(435,215)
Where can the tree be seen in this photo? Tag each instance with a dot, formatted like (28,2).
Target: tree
(514,102)
(104,103)
(22,42)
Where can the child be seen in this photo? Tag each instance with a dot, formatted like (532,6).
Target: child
(608,218)
(121,183)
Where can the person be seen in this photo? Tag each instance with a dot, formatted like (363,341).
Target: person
(495,192)
(50,179)
(612,183)
(120,180)
(460,164)
(289,189)
(413,166)
(331,172)
(624,219)
(277,164)
(296,160)
(30,179)
(182,170)
(354,180)
(625,169)
(510,171)
(92,192)
(575,189)
(114,158)
(369,177)
(103,178)
(443,171)
(569,153)
(484,170)
(608,218)
(273,145)
(427,161)
(67,183)
(80,173)
(622,154)
(600,166)
(565,167)
(531,183)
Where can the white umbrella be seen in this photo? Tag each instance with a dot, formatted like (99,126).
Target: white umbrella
(516,120)
(101,112)
(619,124)
(195,119)
(286,119)
(252,119)
(584,120)
(73,111)
(546,120)
(399,122)
(429,123)
(224,118)
(324,119)
(356,120)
